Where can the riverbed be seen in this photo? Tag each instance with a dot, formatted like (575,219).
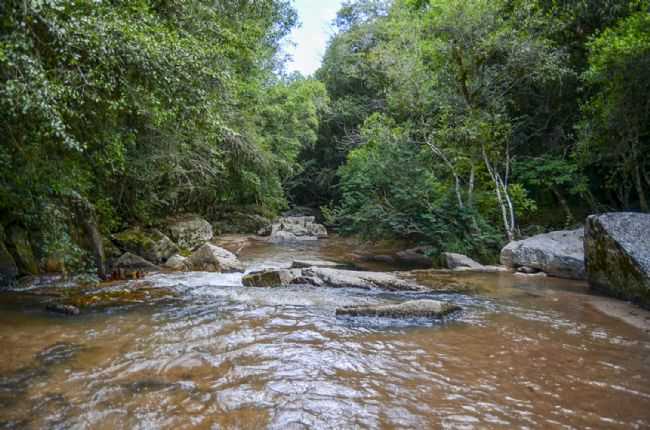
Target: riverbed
(525,352)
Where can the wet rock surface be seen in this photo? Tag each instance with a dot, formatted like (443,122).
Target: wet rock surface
(409,309)
(617,254)
(558,253)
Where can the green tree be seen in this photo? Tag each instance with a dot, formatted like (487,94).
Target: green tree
(615,132)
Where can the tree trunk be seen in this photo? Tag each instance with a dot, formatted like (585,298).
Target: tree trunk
(643,203)
(470,187)
(437,151)
(507,223)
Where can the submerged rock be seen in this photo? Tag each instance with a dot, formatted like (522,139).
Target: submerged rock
(130,265)
(59,308)
(211,258)
(617,254)
(411,309)
(151,245)
(189,231)
(297,228)
(558,253)
(116,296)
(455,261)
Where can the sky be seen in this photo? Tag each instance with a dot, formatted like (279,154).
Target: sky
(311,37)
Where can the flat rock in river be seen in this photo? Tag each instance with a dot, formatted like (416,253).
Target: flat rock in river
(328,277)
(338,278)
(410,309)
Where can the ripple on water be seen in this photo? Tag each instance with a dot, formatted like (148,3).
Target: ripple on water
(227,356)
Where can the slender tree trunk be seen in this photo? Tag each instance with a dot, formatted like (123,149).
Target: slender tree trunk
(507,223)
(643,203)
(457,185)
(470,187)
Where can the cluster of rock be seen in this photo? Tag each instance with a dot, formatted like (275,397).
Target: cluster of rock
(180,243)
(327,274)
(294,228)
(612,252)
(151,250)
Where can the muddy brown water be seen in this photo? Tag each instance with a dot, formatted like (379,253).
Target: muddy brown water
(524,353)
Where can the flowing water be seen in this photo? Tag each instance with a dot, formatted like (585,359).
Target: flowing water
(524,353)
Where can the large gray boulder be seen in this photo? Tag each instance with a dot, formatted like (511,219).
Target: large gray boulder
(297,228)
(211,258)
(617,255)
(558,253)
(151,245)
(410,309)
(189,231)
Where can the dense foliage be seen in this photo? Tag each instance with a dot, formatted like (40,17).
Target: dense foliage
(517,114)
(146,108)
(458,124)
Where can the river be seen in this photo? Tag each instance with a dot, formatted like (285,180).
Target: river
(525,352)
